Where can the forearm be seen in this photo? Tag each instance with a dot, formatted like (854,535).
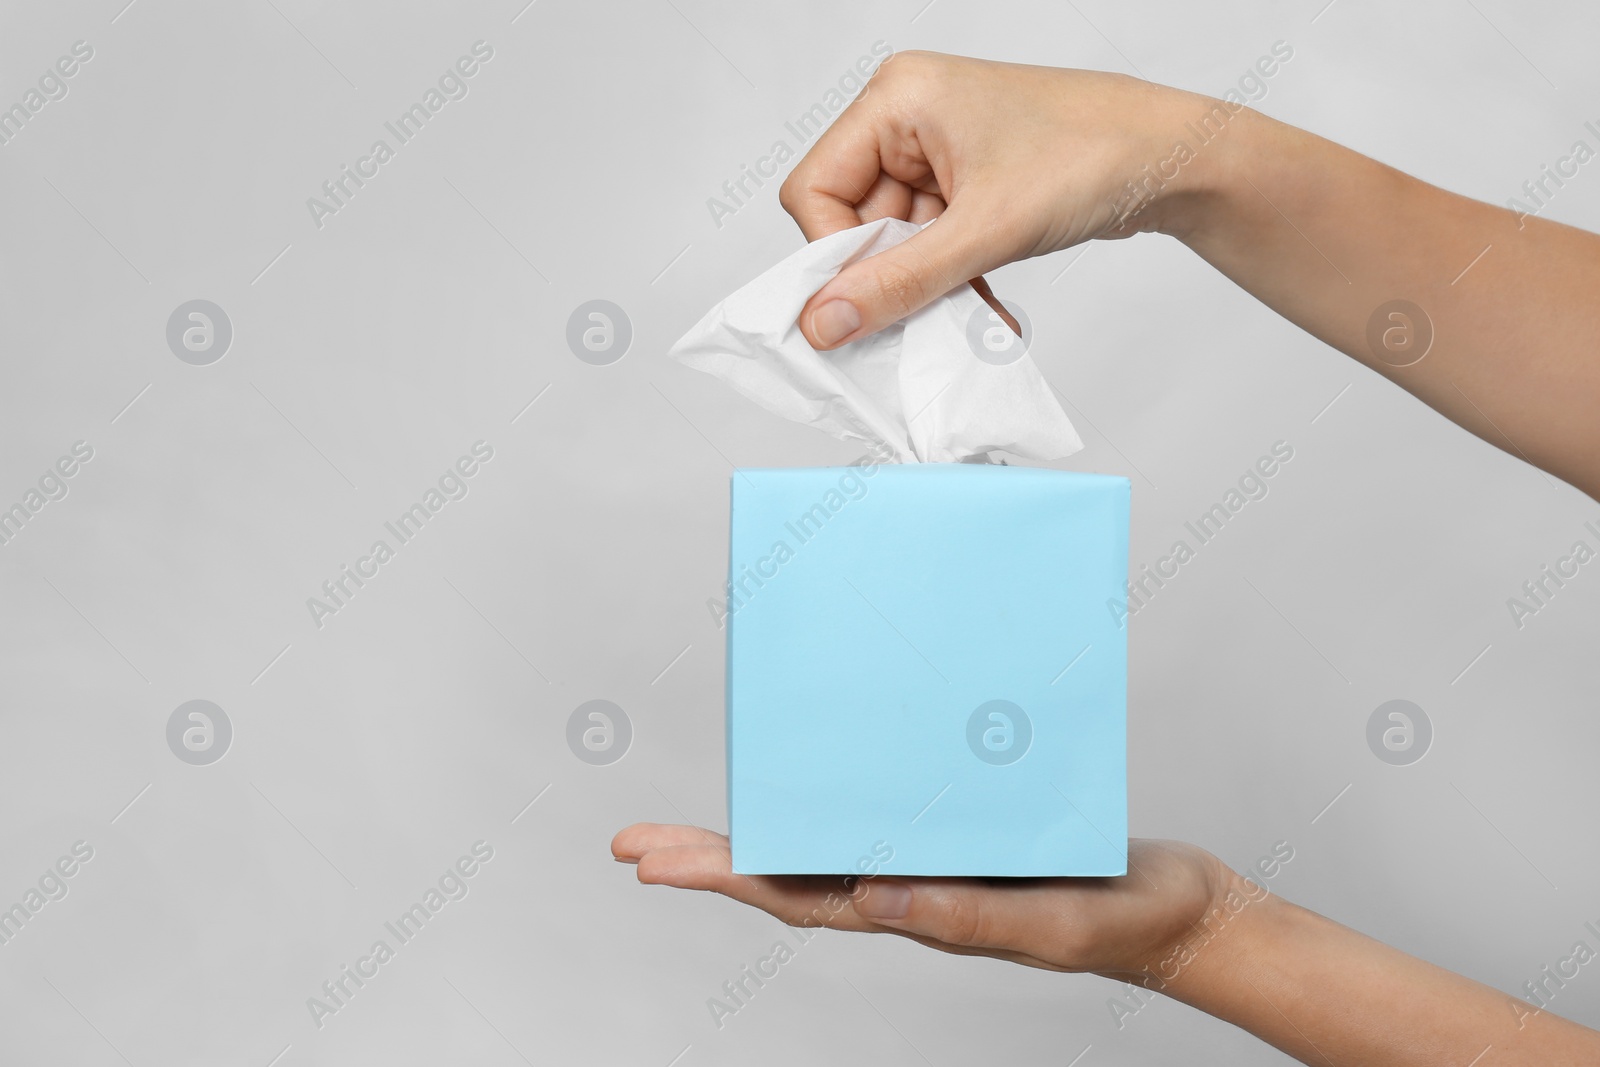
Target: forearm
(1327,237)
(1332,997)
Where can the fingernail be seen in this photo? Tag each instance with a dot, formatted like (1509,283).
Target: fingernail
(885,900)
(834,321)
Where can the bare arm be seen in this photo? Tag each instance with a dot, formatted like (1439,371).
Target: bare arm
(1019,161)
(1325,994)
(1509,308)
(1179,923)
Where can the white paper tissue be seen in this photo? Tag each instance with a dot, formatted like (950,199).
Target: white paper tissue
(916,389)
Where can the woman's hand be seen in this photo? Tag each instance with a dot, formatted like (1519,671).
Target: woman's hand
(1125,927)
(1017,161)
(1014,161)
(1181,923)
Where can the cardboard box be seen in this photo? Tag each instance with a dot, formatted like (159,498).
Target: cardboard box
(924,663)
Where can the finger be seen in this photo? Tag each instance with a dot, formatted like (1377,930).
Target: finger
(889,197)
(875,140)
(982,286)
(822,191)
(798,901)
(688,865)
(972,914)
(925,207)
(882,289)
(633,842)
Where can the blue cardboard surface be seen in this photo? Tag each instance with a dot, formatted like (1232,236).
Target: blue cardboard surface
(922,663)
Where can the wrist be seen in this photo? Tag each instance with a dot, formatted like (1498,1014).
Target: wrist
(1225,941)
(1220,147)
(1216,944)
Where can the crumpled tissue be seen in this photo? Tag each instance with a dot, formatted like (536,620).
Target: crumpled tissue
(920,390)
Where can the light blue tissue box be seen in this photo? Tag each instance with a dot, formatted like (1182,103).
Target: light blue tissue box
(926,673)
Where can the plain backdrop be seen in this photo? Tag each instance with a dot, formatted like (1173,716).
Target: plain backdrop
(371,352)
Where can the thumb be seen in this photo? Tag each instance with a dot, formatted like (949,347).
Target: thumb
(872,293)
(956,912)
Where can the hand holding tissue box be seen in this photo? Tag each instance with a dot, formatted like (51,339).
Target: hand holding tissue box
(924,676)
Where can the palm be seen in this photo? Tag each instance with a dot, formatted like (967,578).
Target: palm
(1107,925)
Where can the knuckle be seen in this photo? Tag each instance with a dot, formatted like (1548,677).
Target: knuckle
(912,68)
(912,59)
(960,920)
(789,193)
(901,289)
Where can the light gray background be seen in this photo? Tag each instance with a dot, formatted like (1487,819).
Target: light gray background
(371,353)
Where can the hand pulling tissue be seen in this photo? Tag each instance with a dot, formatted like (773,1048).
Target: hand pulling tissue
(916,389)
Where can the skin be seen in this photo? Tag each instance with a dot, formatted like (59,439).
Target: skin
(1018,161)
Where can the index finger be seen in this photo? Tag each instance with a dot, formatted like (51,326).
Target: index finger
(869,158)
(822,191)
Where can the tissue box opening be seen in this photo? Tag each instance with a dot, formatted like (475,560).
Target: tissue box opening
(926,675)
